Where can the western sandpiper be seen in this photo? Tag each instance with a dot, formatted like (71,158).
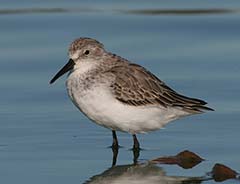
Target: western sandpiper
(120,95)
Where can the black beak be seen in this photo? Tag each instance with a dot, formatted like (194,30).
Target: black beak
(66,68)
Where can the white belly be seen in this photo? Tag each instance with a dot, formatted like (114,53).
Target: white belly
(99,105)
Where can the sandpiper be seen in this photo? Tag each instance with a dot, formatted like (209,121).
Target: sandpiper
(120,95)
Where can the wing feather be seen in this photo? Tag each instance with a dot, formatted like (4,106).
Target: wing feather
(134,85)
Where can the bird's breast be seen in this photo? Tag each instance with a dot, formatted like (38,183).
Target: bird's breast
(91,97)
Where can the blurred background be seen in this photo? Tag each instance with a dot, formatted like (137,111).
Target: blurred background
(191,45)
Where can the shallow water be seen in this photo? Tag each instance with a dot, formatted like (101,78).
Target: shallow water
(192,46)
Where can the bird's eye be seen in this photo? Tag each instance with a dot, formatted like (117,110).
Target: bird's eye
(86,52)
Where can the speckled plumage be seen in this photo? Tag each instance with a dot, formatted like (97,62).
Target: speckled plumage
(133,84)
(120,95)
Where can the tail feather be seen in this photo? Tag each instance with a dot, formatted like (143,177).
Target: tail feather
(204,108)
(185,99)
(191,105)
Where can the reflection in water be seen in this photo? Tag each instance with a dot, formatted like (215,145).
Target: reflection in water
(136,154)
(115,155)
(147,172)
(140,174)
(151,173)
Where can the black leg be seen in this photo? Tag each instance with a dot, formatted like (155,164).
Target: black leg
(136,145)
(115,154)
(115,148)
(115,140)
(136,154)
(135,149)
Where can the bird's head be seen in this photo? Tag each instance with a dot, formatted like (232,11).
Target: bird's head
(81,51)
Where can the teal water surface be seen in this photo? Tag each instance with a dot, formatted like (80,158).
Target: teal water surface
(192,46)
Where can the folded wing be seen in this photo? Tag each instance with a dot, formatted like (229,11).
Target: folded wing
(136,86)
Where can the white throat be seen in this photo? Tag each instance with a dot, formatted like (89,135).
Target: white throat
(84,66)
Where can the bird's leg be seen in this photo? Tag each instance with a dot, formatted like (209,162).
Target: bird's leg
(115,148)
(136,154)
(136,145)
(135,149)
(115,140)
(115,155)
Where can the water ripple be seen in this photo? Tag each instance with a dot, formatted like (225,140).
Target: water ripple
(122,11)
(180,11)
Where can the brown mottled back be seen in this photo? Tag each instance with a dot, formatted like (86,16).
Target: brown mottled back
(134,85)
